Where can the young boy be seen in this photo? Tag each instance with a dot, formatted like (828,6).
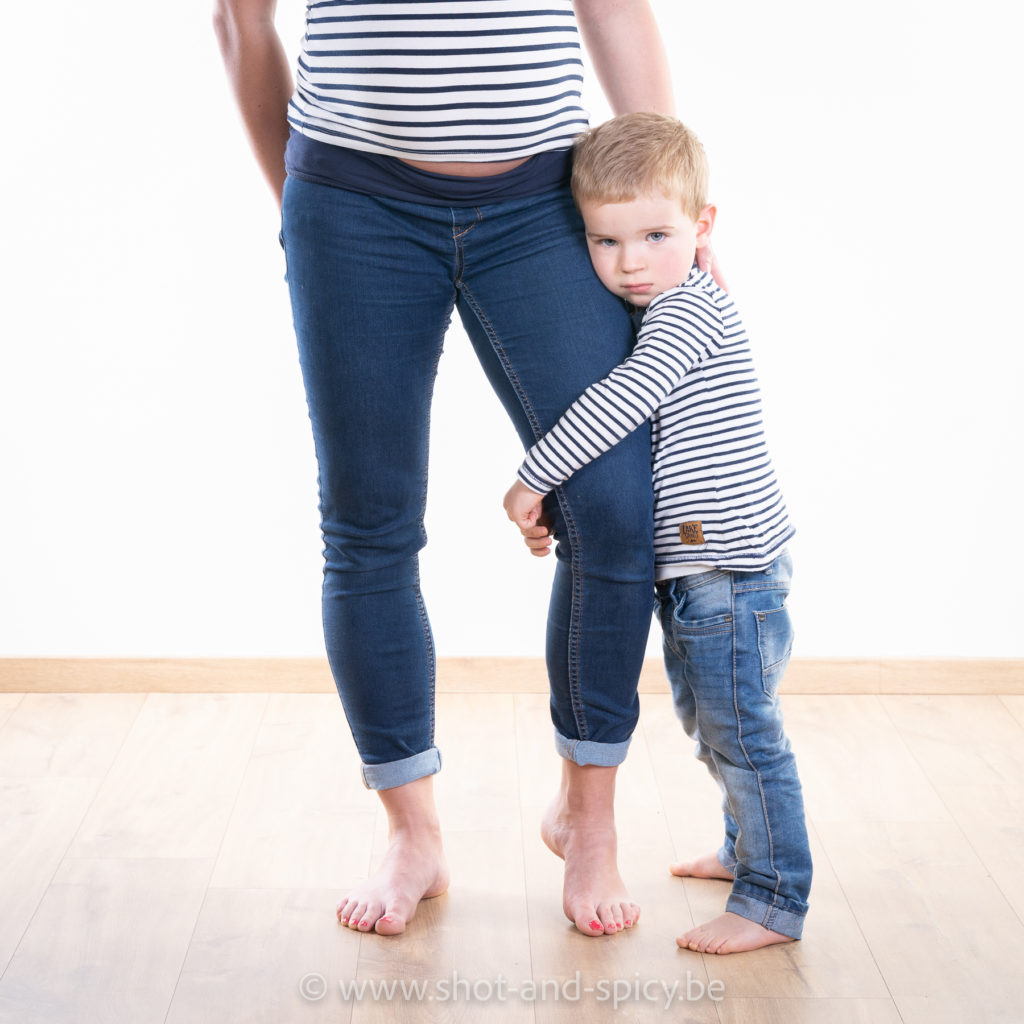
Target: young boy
(721,526)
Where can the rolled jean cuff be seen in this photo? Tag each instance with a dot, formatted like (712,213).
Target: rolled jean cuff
(398,773)
(771,916)
(584,752)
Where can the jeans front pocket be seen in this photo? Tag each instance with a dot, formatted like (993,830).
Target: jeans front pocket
(694,628)
(774,642)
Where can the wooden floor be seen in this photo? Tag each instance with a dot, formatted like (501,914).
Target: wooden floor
(176,857)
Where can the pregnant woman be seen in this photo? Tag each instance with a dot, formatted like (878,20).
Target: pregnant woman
(421,159)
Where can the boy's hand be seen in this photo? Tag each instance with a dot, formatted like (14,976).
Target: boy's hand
(523,507)
(538,538)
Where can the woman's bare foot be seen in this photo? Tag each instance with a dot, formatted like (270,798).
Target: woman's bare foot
(708,866)
(579,827)
(729,933)
(414,867)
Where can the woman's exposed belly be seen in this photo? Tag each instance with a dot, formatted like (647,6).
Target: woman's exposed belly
(466,169)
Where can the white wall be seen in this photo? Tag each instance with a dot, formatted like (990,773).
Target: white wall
(157,486)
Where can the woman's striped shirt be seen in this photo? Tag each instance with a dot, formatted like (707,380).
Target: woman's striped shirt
(468,80)
(716,498)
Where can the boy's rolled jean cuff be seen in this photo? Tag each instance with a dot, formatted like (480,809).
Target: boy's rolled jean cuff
(772,916)
(584,752)
(398,773)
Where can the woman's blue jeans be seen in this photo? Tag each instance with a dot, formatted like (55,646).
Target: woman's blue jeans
(373,284)
(727,638)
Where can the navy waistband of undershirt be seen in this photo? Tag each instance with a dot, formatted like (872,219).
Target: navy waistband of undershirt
(377,175)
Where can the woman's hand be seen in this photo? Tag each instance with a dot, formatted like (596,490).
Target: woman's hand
(706,261)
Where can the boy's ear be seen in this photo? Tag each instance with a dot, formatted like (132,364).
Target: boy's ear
(705,225)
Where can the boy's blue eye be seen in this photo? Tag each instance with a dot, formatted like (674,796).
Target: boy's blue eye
(607,243)
(655,236)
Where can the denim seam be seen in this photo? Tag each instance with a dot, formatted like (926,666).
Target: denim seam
(457,237)
(575,545)
(431,659)
(750,764)
(510,373)
(456,234)
(575,614)
(428,638)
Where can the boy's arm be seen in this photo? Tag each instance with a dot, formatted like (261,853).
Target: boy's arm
(675,336)
(260,78)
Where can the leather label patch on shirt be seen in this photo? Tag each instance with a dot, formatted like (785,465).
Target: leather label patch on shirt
(691,533)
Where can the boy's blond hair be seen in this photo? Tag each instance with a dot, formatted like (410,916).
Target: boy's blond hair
(637,155)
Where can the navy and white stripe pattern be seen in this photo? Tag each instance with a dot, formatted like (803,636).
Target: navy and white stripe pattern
(470,80)
(692,374)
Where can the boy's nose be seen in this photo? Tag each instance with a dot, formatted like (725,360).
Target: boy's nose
(631,259)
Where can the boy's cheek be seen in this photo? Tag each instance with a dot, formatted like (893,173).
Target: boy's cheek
(603,272)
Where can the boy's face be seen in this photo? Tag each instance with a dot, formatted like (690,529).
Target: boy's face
(643,247)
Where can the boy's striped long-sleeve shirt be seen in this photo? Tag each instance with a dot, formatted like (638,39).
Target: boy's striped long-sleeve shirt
(716,498)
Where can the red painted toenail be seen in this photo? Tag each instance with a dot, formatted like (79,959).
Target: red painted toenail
(596,925)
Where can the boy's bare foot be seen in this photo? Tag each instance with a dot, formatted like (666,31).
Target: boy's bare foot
(579,827)
(708,866)
(729,933)
(414,867)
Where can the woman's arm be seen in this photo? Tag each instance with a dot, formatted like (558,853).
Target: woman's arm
(625,47)
(260,78)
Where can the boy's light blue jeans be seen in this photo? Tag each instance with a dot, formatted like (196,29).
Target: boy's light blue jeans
(727,638)
(374,283)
